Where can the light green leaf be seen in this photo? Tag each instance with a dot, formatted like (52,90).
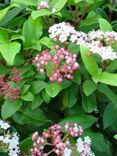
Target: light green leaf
(89,87)
(9,51)
(27,97)
(107,78)
(40,13)
(59,4)
(46,41)
(3,36)
(9,108)
(105,25)
(27,2)
(89,61)
(53,89)
(32,31)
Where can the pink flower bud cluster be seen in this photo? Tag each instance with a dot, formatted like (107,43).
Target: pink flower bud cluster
(5,86)
(63,64)
(74,130)
(94,40)
(58,142)
(15,75)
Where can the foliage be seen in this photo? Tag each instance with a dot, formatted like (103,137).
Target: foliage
(90,98)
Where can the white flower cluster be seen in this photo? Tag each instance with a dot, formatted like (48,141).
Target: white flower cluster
(61,31)
(84,147)
(11,140)
(67,152)
(43,5)
(66,33)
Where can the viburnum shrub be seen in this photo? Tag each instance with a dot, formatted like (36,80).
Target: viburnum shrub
(63,63)
(58,64)
(57,140)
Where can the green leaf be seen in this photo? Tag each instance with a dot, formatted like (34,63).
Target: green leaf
(9,108)
(74,48)
(28,116)
(53,89)
(40,13)
(19,60)
(89,103)
(70,96)
(89,61)
(109,93)
(10,15)
(46,41)
(37,101)
(4,11)
(26,144)
(9,51)
(59,4)
(25,2)
(37,86)
(3,36)
(107,78)
(99,144)
(115,136)
(84,120)
(77,1)
(45,97)
(32,31)
(105,25)
(27,97)
(112,67)
(110,115)
(89,87)
(24,89)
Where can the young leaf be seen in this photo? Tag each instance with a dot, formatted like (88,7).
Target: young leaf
(59,4)
(105,25)
(9,108)
(32,31)
(9,51)
(27,97)
(89,61)
(53,89)
(40,13)
(107,78)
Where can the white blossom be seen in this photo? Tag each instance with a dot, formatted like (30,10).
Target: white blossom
(43,5)
(67,152)
(66,33)
(10,139)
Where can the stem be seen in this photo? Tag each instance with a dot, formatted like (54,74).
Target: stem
(49,152)
(65,136)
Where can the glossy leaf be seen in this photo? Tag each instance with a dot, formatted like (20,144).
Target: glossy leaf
(53,89)
(9,108)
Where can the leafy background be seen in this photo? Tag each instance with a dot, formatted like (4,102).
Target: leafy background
(90,99)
